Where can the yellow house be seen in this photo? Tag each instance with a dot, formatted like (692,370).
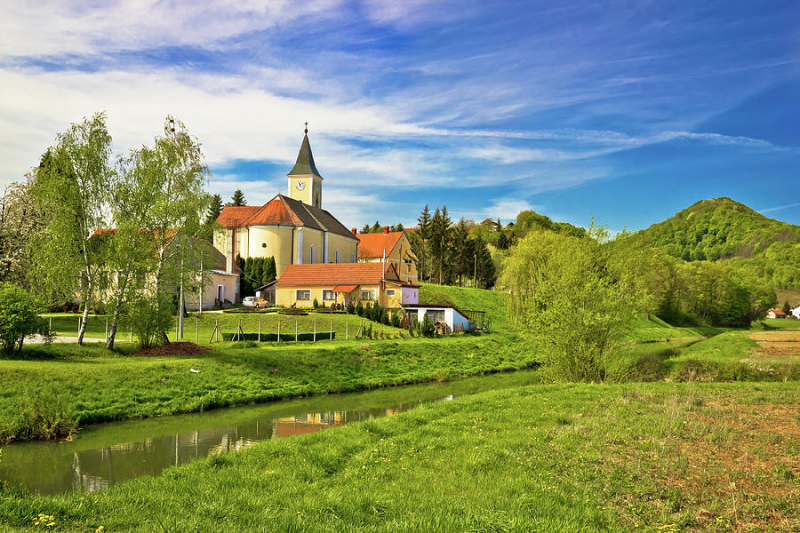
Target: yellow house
(389,247)
(293,229)
(300,285)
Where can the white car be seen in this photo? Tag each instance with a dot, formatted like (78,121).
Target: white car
(249,301)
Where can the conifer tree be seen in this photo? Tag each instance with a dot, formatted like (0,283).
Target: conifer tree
(214,210)
(237,200)
(420,242)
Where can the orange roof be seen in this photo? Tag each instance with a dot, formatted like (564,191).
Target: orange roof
(372,245)
(273,212)
(337,274)
(283,210)
(232,217)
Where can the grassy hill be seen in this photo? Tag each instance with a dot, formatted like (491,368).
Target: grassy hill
(719,228)
(464,298)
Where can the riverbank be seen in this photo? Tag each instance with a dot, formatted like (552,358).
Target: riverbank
(658,456)
(84,385)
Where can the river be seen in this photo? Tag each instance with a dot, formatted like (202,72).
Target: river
(103,455)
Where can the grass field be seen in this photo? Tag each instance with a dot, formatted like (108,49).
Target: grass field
(642,457)
(92,385)
(201,327)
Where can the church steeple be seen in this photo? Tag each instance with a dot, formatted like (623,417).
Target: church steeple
(305,181)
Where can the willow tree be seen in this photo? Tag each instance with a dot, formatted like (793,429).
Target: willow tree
(575,295)
(70,189)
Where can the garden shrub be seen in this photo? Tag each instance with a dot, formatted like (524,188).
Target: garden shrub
(292,311)
(18,317)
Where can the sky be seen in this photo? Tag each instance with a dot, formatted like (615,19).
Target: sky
(623,111)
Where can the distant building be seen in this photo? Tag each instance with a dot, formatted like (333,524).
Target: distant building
(344,283)
(389,247)
(776,313)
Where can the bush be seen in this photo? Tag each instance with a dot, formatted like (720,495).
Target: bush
(360,309)
(351,309)
(42,415)
(316,303)
(148,319)
(18,317)
(396,319)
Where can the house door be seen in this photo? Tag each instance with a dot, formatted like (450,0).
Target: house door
(221,293)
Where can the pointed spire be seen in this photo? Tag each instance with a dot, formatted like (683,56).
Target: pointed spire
(305,159)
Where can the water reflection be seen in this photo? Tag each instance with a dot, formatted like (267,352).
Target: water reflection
(107,454)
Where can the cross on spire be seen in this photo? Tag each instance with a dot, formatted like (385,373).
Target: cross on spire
(306,130)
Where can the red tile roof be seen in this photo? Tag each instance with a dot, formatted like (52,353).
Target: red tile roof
(336,274)
(372,245)
(273,212)
(285,211)
(232,217)
(778,312)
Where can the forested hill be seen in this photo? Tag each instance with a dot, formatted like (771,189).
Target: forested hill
(720,228)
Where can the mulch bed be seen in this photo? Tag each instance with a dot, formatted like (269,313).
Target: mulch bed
(174,349)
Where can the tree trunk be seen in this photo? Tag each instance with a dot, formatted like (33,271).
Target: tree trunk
(117,309)
(85,318)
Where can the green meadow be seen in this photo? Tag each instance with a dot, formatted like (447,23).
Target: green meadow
(631,457)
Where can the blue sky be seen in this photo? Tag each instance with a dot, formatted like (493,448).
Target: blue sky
(625,111)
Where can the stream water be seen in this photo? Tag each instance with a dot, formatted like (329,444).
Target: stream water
(106,454)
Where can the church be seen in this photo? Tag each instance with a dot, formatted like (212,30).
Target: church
(293,229)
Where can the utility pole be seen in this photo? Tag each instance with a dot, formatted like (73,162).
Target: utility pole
(180,304)
(200,295)
(475,271)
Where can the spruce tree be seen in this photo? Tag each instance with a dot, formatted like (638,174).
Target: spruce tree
(214,210)
(420,242)
(237,200)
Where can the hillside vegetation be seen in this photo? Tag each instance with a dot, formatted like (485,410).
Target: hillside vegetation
(721,228)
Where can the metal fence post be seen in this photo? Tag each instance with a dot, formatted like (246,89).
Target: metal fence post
(196,330)
(315,331)
(279,329)
(331,329)
(346,329)
(106,329)
(295,330)
(259,330)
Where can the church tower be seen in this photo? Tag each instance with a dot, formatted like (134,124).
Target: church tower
(305,183)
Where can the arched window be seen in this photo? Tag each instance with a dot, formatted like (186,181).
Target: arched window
(337,256)
(312,254)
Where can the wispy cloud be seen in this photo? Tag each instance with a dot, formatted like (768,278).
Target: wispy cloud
(779,208)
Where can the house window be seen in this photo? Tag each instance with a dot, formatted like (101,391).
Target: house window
(337,256)
(435,315)
(368,294)
(312,254)
(412,315)
(390,292)
(328,295)
(303,294)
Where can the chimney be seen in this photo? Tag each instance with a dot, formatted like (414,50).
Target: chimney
(385,230)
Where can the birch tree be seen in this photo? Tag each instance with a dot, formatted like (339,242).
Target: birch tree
(71,189)
(175,208)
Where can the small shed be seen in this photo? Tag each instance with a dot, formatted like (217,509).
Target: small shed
(455,319)
(776,313)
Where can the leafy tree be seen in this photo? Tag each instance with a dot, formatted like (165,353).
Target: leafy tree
(398,227)
(574,297)
(376,228)
(175,206)
(20,221)
(71,191)
(19,317)
(237,200)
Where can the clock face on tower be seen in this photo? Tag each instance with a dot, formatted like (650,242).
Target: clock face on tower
(300,185)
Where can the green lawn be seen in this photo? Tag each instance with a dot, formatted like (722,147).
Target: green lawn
(644,457)
(200,327)
(91,385)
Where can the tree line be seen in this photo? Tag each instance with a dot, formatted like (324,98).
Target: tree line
(451,254)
